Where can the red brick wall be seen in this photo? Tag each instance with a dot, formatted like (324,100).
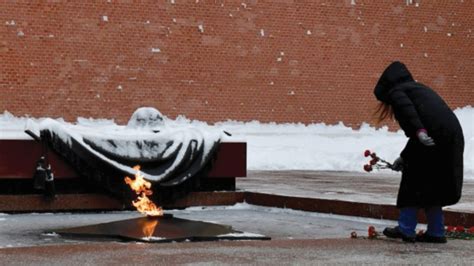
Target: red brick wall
(282,61)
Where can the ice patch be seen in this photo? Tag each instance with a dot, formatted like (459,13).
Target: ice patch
(153,238)
(51,234)
(242,234)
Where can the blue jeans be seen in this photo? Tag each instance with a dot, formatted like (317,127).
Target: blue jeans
(407,221)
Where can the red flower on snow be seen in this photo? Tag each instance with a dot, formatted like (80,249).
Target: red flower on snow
(372,232)
(450,228)
(459,229)
(367,153)
(368,168)
(471,230)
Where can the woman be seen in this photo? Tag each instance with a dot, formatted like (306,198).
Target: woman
(432,160)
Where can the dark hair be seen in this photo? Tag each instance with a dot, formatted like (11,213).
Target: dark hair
(384,111)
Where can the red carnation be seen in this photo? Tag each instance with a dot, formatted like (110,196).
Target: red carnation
(371,232)
(459,228)
(450,228)
(471,230)
(366,153)
(374,161)
(368,167)
(373,155)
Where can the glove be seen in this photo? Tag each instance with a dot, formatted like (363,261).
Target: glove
(397,165)
(423,137)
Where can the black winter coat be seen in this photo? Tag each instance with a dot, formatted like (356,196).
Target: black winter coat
(432,176)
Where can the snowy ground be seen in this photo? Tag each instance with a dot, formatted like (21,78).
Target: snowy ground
(19,230)
(273,146)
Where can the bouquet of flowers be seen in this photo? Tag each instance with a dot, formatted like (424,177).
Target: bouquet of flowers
(459,232)
(375,162)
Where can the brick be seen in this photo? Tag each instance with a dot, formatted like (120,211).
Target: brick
(316,61)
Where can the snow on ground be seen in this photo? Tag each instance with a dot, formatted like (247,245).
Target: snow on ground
(272,146)
(323,147)
(330,147)
(17,230)
(277,211)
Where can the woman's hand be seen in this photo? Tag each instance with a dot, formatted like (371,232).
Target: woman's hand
(397,165)
(423,137)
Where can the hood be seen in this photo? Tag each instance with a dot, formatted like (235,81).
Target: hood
(395,74)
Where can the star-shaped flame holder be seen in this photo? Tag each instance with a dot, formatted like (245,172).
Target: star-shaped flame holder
(164,228)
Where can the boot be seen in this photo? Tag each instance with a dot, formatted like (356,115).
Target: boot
(431,239)
(395,232)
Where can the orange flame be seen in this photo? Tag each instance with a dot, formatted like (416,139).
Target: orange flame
(148,227)
(142,188)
